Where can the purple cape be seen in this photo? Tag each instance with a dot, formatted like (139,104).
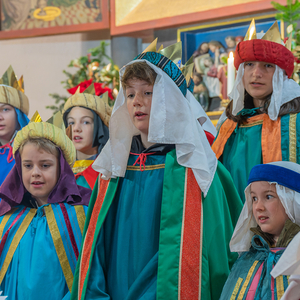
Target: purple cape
(66,189)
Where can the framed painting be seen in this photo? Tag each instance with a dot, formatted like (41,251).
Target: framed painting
(210,46)
(24,18)
(130,16)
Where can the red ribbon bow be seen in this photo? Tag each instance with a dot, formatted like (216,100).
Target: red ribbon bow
(141,160)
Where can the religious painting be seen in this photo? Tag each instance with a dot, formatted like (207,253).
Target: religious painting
(210,47)
(136,15)
(34,14)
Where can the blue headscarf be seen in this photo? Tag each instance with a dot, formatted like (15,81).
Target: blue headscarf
(6,156)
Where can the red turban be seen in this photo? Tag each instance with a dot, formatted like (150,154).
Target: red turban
(267,51)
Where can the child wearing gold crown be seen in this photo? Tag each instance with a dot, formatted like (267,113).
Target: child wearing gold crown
(14,108)
(261,123)
(269,222)
(42,214)
(89,116)
(160,220)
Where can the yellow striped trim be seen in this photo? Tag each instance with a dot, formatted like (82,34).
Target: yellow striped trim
(279,286)
(78,169)
(147,168)
(80,214)
(292,137)
(15,242)
(251,124)
(5,220)
(236,288)
(82,163)
(59,246)
(249,275)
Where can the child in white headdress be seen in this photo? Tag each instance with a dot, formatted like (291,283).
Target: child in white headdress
(268,222)
(160,221)
(261,123)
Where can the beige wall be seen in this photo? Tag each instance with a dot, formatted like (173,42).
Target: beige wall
(41,61)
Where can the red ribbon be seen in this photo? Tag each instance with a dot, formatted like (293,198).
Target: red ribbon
(10,156)
(141,160)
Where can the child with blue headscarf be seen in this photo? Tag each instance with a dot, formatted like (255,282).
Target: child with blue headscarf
(14,108)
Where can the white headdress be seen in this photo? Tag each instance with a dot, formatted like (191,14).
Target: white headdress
(284,89)
(173,120)
(281,173)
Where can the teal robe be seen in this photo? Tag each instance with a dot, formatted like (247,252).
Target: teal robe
(137,243)
(44,256)
(259,141)
(250,276)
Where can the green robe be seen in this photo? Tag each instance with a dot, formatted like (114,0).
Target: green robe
(144,242)
(259,141)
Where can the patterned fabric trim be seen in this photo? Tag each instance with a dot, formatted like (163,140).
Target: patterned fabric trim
(78,170)
(279,286)
(236,288)
(90,240)
(80,215)
(191,237)
(245,285)
(271,140)
(82,163)
(168,67)
(293,138)
(66,234)
(16,239)
(224,134)
(5,220)
(252,124)
(146,168)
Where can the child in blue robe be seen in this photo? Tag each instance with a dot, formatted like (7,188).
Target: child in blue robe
(42,214)
(268,223)
(14,108)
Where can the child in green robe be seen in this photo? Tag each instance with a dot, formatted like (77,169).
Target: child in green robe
(161,215)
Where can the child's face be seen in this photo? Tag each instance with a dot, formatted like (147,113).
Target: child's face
(257,79)
(82,121)
(8,122)
(40,172)
(268,210)
(139,98)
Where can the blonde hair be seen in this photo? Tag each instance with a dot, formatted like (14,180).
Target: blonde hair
(41,143)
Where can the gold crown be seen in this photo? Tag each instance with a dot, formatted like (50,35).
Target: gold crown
(53,130)
(272,35)
(9,78)
(89,90)
(174,53)
(56,120)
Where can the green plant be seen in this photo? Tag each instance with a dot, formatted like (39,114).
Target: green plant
(290,14)
(92,66)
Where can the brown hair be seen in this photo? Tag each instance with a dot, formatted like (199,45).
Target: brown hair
(41,143)
(292,106)
(138,70)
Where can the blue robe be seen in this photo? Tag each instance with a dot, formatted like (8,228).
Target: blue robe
(35,270)
(250,275)
(5,163)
